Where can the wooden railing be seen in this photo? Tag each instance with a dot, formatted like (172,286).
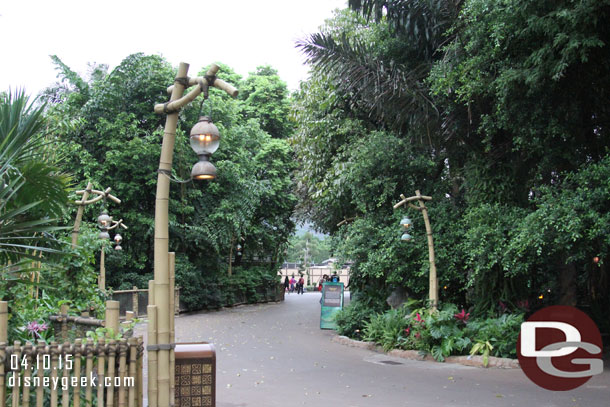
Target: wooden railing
(107,372)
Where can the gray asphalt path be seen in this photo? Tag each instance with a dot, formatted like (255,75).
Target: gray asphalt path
(275,355)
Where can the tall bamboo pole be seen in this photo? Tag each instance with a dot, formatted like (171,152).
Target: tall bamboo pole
(79,214)
(433,286)
(161,245)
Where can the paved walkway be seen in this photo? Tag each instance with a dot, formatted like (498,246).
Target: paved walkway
(275,355)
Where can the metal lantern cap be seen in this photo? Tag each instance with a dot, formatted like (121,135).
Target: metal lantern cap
(406,222)
(205,136)
(406,237)
(203,169)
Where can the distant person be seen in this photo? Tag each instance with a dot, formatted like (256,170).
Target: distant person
(334,278)
(292,283)
(300,285)
(286,284)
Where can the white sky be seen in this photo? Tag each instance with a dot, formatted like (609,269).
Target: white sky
(243,34)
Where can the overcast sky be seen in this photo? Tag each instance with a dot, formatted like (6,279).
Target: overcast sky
(243,34)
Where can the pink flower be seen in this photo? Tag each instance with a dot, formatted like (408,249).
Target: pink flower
(408,331)
(418,318)
(35,328)
(462,316)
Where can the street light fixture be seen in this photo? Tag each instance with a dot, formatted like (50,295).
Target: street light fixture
(205,139)
(104,222)
(118,239)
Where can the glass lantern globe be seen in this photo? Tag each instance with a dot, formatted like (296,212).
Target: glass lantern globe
(104,235)
(406,237)
(104,220)
(118,238)
(406,222)
(205,137)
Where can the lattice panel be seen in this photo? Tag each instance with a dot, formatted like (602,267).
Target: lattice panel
(195,383)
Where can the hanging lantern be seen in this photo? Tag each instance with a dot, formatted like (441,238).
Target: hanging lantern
(406,223)
(103,222)
(205,139)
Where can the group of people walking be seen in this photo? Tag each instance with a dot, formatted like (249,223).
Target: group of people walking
(291,284)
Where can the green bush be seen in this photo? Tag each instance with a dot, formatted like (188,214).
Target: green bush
(203,291)
(440,333)
(501,332)
(387,328)
(352,319)
(444,332)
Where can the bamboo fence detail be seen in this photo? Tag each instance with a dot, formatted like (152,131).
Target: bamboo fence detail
(106,373)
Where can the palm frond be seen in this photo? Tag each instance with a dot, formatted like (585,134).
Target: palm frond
(382,89)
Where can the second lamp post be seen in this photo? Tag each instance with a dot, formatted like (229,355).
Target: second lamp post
(406,224)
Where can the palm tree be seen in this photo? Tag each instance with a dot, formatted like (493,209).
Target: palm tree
(390,89)
(33,192)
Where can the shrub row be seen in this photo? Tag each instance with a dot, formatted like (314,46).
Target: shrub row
(444,332)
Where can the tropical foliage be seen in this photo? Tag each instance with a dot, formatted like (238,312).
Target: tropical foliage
(111,136)
(492,107)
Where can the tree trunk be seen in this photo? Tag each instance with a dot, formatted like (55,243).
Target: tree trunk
(567,285)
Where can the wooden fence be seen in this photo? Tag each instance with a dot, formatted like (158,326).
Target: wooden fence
(107,372)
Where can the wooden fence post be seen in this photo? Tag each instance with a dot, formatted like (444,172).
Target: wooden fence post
(112,317)
(152,355)
(3,343)
(134,301)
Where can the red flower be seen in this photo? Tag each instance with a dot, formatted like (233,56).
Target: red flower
(462,316)
(418,318)
(408,331)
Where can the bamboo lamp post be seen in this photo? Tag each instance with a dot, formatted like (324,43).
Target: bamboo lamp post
(104,221)
(204,141)
(406,223)
(104,235)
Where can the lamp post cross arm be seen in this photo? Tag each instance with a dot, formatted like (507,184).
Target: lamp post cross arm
(117,223)
(209,80)
(411,199)
(100,195)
